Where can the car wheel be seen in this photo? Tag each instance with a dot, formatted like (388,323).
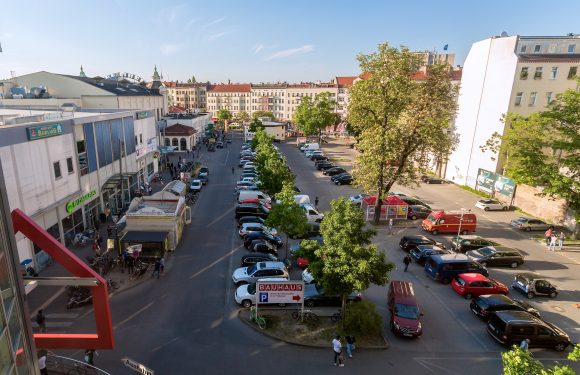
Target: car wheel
(435,232)
(246,303)
(338,182)
(309,303)
(428,182)
(393,327)
(414,217)
(560,346)
(514,265)
(468,296)
(486,209)
(465,231)
(530,295)
(553,294)
(505,208)
(528,229)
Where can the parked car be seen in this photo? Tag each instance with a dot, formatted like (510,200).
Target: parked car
(261,270)
(428,179)
(263,245)
(440,221)
(251,209)
(410,242)
(491,204)
(334,171)
(533,284)
(445,267)
(528,224)
(262,235)
(484,305)
(316,157)
(497,256)
(512,327)
(312,214)
(246,294)
(195,186)
(461,244)
(219,144)
(357,199)
(343,179)
(307,276)
(405,313)
(314,296)
(202,176)
(474,284)
(421,253)
(312,232)
(416,211)
(248,228)
(324,165)
(308,154)
(414,201)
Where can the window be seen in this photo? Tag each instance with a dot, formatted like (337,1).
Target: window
(538,74)
(518,99)
(56,167)
(523,49)
(571,48)
(572,72)
(549,97)
(533,96)
(524,73)
(537,48)
(554,72)
(69,165)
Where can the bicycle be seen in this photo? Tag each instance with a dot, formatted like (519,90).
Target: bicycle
(260,321)
(305,315)
(336,316)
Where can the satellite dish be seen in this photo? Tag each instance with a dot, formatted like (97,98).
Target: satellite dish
(504,34)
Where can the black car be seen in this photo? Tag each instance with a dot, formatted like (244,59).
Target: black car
(432,179)
(324,165)
(250,219)
(263,245)
(203,178)
(204,169)
(343,179)
(483,306)
(416,211)
(251,209)
(262,235)
(414,202)
(464,243)
(334,171)
(318,157)
(421,253)
(253,258)
(497,256)
(314,296)
(410,242)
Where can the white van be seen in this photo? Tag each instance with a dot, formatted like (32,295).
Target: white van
(302,199)
(253,194)
(312,215)
(310,147)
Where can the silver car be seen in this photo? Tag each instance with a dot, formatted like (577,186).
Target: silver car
(528,224)
(260,270)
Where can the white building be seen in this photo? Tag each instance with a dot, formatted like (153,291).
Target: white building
(233,97)
(516,74)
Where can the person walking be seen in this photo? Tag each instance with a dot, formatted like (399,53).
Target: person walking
(42,362)
(316,202)
(131,265)
(233,171)
(90,356)
(391,227)
(337,349)
(350,345)
(548,236)
(41,321)
(553,242)
(525,344)
(561,240)
(162,264)
(156,267)
(407,260)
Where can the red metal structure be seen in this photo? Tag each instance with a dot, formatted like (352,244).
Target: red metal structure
(103,338)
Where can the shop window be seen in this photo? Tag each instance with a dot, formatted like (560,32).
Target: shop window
(57,172)
(69,165)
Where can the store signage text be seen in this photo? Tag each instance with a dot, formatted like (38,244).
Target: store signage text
(44,131)
(71,205)
(142,114)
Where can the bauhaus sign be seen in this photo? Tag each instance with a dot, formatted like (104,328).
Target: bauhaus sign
(280,291)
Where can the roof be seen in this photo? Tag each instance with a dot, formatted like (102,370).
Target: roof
(345,81)
(179,129)
(145,236)
(421,75)
(391,200)
(116,87)
(176,109)
(312,85)
(472,276)
(235,87)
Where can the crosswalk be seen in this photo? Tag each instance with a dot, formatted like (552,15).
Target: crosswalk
(56,323)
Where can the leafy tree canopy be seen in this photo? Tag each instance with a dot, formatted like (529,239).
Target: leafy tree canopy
(518,361)
(314,114)
(257,114)
(255,125)
(242,116)
(191,80)
(224,115)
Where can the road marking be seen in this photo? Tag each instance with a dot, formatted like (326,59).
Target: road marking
(220,217)
(51,299)
(134,315)
(165,344)
(62,316)
(215,262)
(433,368)
(227,156)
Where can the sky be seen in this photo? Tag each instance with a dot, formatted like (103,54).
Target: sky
(253,40)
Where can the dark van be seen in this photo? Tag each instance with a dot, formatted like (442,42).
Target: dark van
(445,267)
(251,209)
(405,314)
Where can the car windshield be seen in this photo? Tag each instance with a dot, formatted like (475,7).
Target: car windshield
(486,251)
(406,311)
(431,218)
(252,288)
(252,269)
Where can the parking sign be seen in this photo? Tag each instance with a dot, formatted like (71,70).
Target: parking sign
(280,291)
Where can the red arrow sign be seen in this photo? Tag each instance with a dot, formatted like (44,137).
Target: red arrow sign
(296,298)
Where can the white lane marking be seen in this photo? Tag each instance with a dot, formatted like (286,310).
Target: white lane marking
(215,262)
(165,344)
(227,156)
(220,217)
(134,314)
(51,299)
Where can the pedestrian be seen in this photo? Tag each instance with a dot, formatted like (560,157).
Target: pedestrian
(407,261)
(233,171)
(390,226)
(90,356)
(41,321)
(548,235)
(350,345)
(337,349)
(316,202)
(156,267)
(42,362)
(525,344)
(553,242)
(162,264)
(131,265)
(561,240)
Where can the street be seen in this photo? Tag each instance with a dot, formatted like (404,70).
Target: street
(186,322)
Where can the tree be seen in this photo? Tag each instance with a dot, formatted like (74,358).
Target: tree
(399,121)
(191,80)
(543,149)
(287,215)
(314,114)
(272,168)
(346,261)
(257,114)
(242,117)
(255,125)
(224,116)
(518,361)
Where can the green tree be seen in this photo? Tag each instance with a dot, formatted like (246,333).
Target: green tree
(287,215)
(191,80)
(543,149)
(257,114)
(314,114)
(224,115)
(518,361)
(273,170)
(242,117)
(255,125)
(398,121)
(346,261)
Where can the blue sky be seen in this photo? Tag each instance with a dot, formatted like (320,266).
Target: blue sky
(251,40)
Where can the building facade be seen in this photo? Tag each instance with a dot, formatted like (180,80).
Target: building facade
(269,97)
(235,98)
(502,74)
(190,96)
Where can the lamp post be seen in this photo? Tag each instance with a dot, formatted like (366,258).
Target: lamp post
(463,211)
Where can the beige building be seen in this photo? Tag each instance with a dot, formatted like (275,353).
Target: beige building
(269,97)
(295,92)
(432,58)
(233,97)
(190,96)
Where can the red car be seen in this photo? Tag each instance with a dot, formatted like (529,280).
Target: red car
(302,263)
(256,200)
(471,285)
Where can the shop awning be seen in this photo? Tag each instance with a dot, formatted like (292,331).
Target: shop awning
(146,236)
(115,180)
(167,149)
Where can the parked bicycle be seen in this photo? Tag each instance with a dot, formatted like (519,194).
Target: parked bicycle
(336,316)
(260,321)
(305,315)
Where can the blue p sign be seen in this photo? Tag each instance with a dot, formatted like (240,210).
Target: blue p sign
(263,297)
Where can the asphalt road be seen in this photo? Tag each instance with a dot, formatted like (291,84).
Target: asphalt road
(186,322)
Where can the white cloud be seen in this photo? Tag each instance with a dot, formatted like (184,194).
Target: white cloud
(257,48)
(214,22)
(291,52)
(218,35)
(170,49)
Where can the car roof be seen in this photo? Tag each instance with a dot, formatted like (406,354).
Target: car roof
(429,247)
(248,205)
(403,292)
(497,299)
(450,258)
(472,276)
(470,237)
(416,237)
(277,265)
(519,316)
(264,255)
(530,275)
(501,249)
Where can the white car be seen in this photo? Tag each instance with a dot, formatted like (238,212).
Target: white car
(307,276)
(260,270)
(195,186)
(249,179)
(491,204)
(401,194)
(248,228)
(357,199)
(246,294)
(312,215)
(310,153)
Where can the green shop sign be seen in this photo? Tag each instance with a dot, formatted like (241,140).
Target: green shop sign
(44,131)
(71,205)
(142,114)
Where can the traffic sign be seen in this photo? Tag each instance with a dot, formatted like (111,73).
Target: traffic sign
(136,366)
(280,291)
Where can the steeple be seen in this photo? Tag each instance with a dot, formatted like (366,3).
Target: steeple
(156,76)
(82,73)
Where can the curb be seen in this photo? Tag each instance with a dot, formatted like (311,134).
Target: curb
(244,320)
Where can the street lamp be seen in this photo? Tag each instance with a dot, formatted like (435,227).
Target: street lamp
(463,211)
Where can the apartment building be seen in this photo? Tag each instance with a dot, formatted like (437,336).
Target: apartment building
(519,74)
(190,96)
(433,57)
(235,97)
(269,97)
(295,92)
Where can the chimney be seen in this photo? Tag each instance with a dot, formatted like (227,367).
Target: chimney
(229,81)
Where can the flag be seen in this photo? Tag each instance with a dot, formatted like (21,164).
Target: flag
(445,47)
